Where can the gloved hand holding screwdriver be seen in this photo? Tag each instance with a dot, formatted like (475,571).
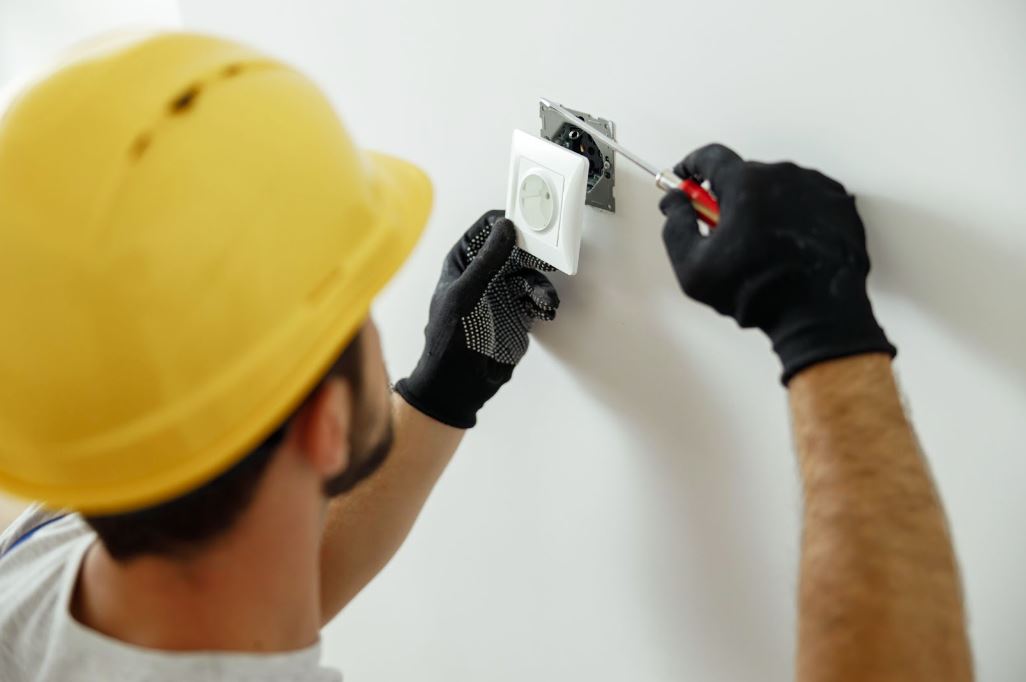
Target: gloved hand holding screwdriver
(788,257)
(879,594)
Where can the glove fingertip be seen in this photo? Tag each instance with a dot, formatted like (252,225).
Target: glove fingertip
(505,227)
(545,293)
(536,288)
(538,312)
(543,315)
(680,215)
(681,232)
(543,301)
(483,226)
(717,163)
(486,263)
(499,245)
(682,170)
(488,220)
(672,201)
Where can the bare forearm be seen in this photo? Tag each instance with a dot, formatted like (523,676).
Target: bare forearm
(366,527)
(879,597)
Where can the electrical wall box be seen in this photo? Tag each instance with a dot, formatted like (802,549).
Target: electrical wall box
(545,199)
(600,156)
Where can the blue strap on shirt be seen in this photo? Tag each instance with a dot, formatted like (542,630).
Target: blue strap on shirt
(32,531)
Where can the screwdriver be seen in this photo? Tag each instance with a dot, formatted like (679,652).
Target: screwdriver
(703,202)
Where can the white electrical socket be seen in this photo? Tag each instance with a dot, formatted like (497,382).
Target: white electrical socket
(545,199)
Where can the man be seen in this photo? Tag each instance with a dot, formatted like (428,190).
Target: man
(191,245)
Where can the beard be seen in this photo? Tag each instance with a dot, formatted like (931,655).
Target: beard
(364,460)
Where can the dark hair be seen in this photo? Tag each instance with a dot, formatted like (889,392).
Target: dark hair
(185,524)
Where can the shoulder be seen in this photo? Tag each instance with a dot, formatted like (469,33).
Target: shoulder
(34,549)
(36,555)
(37,534)
(33,519)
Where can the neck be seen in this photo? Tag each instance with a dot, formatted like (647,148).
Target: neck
(254,590)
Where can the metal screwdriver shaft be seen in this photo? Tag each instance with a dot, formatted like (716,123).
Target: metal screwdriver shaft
(666,180)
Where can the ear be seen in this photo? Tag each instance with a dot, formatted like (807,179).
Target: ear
(320,431)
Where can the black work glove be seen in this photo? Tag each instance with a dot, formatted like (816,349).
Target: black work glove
(489,294)
(789,257)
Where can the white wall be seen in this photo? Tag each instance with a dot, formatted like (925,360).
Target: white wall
(33,31)
(628,508)
(34,34)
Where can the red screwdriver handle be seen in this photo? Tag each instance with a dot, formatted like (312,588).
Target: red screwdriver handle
(703,202)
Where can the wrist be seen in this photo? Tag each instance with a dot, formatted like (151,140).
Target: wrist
(806,340)
(844,378)
(432,401)
(407,412)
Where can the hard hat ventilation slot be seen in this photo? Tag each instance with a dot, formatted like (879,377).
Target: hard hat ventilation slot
(139,147)
(181,104)
(184,101)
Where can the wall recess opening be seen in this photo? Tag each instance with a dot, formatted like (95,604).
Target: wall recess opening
(601,160)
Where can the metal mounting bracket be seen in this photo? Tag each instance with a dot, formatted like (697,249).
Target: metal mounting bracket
(601,159)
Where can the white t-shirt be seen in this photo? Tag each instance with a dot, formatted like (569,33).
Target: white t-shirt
(40,641)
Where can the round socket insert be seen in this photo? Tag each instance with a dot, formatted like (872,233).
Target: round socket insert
(537,201)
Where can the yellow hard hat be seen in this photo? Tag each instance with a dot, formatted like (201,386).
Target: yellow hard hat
(188,238)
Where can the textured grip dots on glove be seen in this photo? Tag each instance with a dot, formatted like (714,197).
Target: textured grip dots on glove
(488,295)
(498,325)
